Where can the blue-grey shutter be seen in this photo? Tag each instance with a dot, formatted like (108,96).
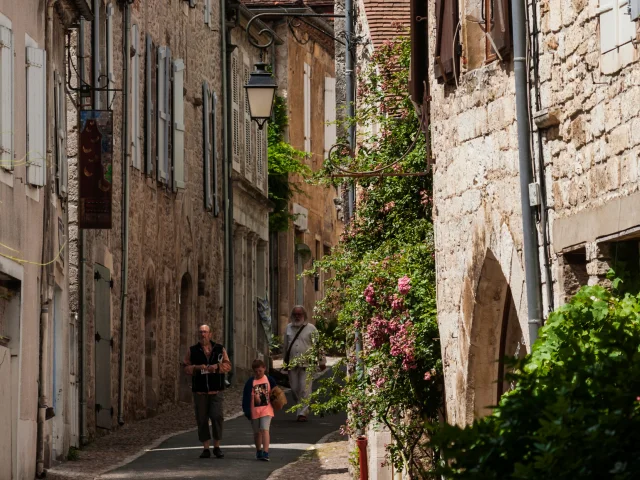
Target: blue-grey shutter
(177,147)
(214,151)
(161,117)
(36,116)
(135,98)
(167,109)
(148,107)
(102,314)
(6,97)
(206,147)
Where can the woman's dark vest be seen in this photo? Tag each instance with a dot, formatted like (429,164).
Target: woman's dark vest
(211,382)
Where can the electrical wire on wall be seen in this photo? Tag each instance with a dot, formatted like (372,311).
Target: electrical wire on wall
(533,58)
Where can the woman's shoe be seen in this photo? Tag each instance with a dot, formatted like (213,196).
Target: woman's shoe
(259,454)
(265,456)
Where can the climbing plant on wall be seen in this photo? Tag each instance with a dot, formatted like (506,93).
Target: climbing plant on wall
(286,168)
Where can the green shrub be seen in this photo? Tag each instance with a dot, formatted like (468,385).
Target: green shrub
(575,412)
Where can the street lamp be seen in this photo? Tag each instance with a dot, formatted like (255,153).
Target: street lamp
(260,92)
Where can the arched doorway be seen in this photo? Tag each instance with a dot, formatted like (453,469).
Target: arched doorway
(495,334)
(150,352)
(184,390)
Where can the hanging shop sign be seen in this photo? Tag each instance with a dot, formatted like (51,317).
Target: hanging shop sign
(95,169)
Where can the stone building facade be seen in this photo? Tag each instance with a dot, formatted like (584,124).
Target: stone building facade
(584,97)
(175,227)
(37,355)
(304,66)
(251,205)
(317,226)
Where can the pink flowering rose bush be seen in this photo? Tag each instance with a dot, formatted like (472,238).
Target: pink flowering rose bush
(380,288)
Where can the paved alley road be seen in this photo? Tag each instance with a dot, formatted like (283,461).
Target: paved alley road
(178,456)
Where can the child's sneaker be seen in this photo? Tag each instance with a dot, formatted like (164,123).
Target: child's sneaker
(265,456)
(259,454)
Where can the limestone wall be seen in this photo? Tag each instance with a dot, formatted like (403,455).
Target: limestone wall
(590,158)
(175,245)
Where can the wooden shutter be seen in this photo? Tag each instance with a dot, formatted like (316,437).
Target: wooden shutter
(235,107)
(111,80)
(419,54)
(330,133)
(6,98)
(177,147)
(307,107)
(162,116)
(248,144)
(208,14)
(36,116)
(135,99)
(148,105)
(501,33)
(167,108)
(214,150)
(60,134)
(447,60)
(206,147)
(626,26)
(261,159)
(102,279)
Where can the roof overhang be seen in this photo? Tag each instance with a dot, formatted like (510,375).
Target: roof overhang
(71,11)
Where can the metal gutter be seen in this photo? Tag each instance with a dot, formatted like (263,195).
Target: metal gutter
(529,231)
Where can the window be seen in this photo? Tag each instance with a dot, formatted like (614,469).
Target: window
(487,33)
(617,32)
(36,116)
(6,93)
(307,108)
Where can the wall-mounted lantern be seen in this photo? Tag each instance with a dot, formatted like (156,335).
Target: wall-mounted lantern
(261,90)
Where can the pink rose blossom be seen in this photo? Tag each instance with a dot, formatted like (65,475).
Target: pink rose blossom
(369,293)
(427,376)
(404,285)
(397,302)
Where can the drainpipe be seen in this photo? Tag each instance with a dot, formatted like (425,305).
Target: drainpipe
(529,232)
(81,277)
(350,97)
(46,275)
(95,52)
(227,170)
(126,153)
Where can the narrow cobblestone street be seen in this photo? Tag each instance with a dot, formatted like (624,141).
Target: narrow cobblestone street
(167,447)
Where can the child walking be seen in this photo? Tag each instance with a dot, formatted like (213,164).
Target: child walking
(257,407)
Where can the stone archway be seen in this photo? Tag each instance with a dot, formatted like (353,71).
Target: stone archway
(495,333)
